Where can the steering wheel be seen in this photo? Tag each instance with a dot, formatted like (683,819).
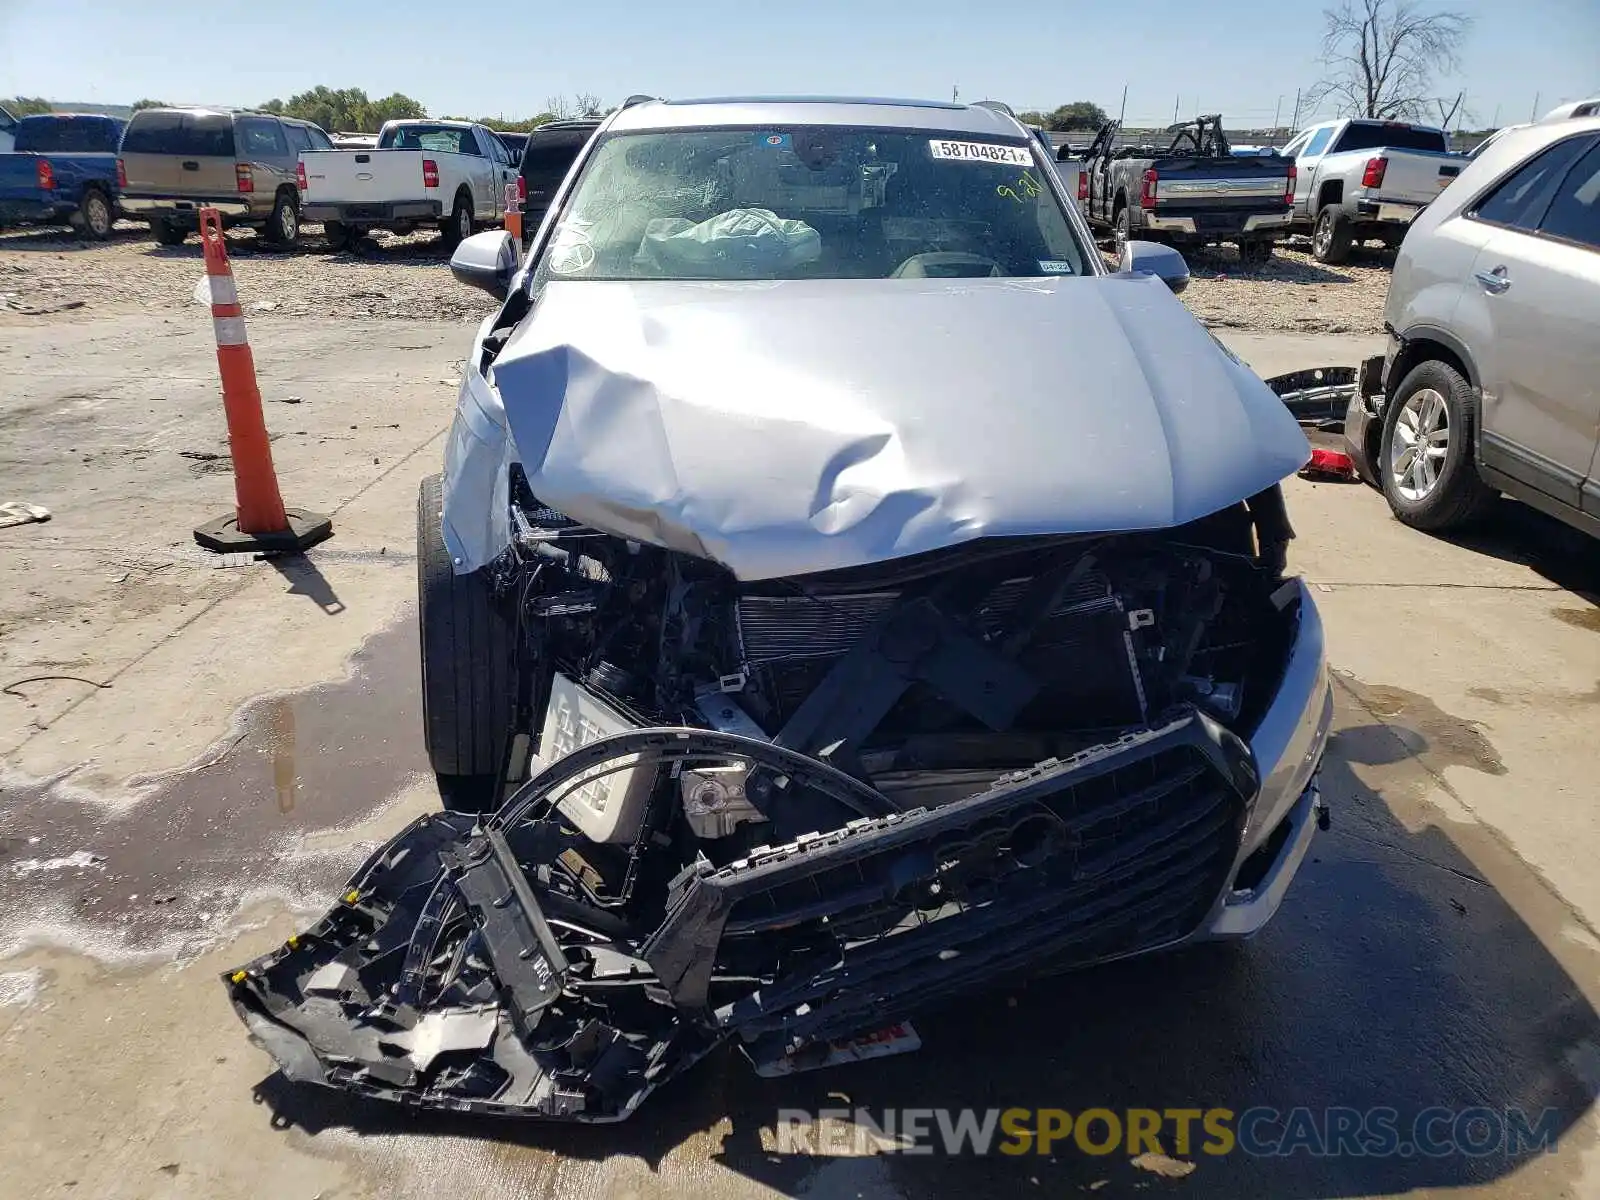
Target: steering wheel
(948,264)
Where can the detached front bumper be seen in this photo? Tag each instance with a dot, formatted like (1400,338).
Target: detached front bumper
(453,974)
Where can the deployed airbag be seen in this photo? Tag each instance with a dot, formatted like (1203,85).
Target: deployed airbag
(739,243)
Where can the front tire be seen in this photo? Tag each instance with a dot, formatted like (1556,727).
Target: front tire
(1331,238)
(1255,252)
(469,667)
(168,234)
(1426,461)
(95,215)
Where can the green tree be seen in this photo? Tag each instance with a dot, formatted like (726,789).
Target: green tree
(25,106)
(1034,118)
(1080,114)
(390,108)
(138,104)
(337,109)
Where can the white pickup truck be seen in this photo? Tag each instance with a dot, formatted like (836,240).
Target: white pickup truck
(452,174)
(1359,179)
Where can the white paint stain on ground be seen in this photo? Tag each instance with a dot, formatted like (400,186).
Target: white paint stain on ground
(78,860)
(19,989)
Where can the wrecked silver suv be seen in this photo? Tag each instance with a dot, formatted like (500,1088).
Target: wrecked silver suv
(842,595)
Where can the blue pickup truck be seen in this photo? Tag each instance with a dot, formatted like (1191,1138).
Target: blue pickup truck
(63,171)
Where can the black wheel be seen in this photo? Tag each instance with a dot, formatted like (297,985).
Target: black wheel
(469,666)
(283,226)
(1121,228)
(459,228)
(1426,462)
(94,215)
(1255,252)
(1331,238)
(339,234)
(167,233)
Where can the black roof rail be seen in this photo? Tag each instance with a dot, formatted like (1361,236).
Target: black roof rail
(637,99)
(998,106)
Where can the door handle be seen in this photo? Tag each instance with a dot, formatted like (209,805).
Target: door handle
(1494,282)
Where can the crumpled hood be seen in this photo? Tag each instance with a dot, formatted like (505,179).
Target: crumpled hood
(799,426)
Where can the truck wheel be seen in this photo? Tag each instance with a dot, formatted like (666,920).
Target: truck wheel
(283,226)
(460,227)
(469,666)
(167,233)
(1121,228)
(94,213)
(1331,239)
(1255,252)
(1426,461)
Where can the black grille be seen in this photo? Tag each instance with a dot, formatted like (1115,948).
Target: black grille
(1081,655)
(1121,849)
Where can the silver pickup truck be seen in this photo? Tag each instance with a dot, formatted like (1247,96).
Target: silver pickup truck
(1362,179)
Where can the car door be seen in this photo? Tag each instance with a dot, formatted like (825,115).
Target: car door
(299,139)
(479,169)
(1307,158)
(262,147)
(1530,311)
(504,173)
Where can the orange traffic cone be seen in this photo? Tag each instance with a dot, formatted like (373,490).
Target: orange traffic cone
(260,524)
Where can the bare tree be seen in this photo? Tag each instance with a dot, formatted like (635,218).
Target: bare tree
(557,106)
(1449,108)
(588,104)
(1383,55)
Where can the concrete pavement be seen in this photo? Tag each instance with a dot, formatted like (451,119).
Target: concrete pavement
(1438,949)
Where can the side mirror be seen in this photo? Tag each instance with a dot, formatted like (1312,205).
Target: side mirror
(486,261)
(1152,258)
(1065,153)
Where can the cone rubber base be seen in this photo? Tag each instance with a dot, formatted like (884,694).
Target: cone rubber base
(224,536)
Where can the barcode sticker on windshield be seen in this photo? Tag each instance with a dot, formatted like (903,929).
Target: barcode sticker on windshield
(988,152)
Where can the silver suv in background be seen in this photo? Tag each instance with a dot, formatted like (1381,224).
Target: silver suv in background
(1491,382)
(175,161)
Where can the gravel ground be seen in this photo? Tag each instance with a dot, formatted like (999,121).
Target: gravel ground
(406,278)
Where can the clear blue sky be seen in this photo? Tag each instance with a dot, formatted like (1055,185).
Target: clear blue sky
(1236,56)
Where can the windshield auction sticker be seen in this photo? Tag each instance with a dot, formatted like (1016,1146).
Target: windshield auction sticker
(987,152)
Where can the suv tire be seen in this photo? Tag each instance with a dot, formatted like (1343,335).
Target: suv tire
(1331,237)
(469,666)
(1426,462)
(168,234)
(283,226)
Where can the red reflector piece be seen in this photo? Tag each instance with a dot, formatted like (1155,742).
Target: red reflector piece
(300,176)
(244,176)
(47,175)
(122,174)
(430,173)
(1329,464)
